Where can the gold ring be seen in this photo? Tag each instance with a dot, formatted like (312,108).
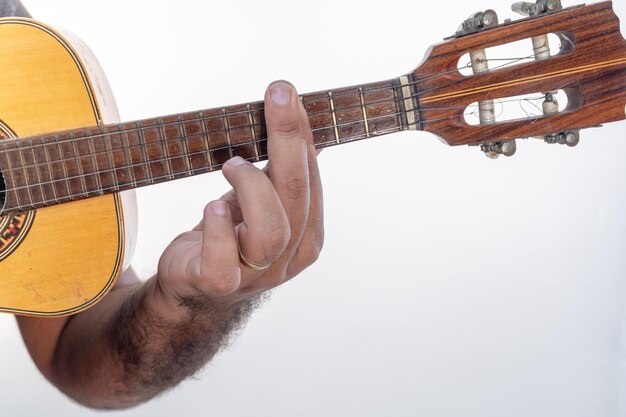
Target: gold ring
(250,265)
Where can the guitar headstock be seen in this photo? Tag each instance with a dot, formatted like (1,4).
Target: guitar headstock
(579,84)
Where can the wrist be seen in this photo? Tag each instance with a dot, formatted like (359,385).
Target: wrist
(172,306)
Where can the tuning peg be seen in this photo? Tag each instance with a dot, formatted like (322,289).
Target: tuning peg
(534,9)
(494,149)
(477,22)
(570,138)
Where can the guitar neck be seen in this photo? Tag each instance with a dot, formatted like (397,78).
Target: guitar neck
(68,166)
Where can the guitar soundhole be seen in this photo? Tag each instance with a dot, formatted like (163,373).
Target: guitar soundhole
(13,227)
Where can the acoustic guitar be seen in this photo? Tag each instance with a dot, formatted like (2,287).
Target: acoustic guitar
(65,158)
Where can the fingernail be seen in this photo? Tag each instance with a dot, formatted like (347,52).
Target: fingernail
(219,208)
(281,94)
(237,160)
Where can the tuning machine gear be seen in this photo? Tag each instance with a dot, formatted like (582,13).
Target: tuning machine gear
(494,149)
(478,22)
(535,9)
(570,138)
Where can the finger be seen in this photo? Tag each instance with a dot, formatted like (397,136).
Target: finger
(313,238)
(287,150)
(264,232)
(216,270)
(231,199)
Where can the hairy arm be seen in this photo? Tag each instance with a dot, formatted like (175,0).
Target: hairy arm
(131,346)
(144,338)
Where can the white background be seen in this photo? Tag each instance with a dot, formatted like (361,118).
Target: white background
(449,285)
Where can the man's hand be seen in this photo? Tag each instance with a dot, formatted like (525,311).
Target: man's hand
(142,339)
(273,216)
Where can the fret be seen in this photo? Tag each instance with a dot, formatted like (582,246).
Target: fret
(37,173)
(128,158)
(104,161)
(137,165)
(50,173)
(240,129)
(120,164)
(26,178)
(227,129)
(71,165)
(219,147)
(349,114)
(399,103)
(381,108)
(194,143)
(33,178)
(259,129)
(365,121)
(166,155)
(61,162)
(205,136)
(43,169)
(85,160)
(320,119)
(81,172)
(151,161)
(184,139)
(155,152)
(174,147)
(253,132)
(334,115)
(92,151)
(144,150)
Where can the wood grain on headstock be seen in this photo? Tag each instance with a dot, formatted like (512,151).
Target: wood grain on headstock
(592,70)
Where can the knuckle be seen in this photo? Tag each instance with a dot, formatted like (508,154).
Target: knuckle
(295,187)
(221,283)
(275,239)
(288,126)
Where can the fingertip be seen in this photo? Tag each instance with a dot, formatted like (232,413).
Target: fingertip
(232,166)
(217,208)
(220,208)
(281,84)
(234,162)
(281,94)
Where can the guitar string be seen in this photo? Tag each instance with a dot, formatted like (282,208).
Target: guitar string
(246,128)
(24,143)
(178,121)
(185,138)
(152,180)
(77,160)
(233,147)
(181,174)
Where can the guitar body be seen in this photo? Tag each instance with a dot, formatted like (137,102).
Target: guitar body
(56,260)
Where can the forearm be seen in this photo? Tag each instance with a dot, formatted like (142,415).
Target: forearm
(138,343)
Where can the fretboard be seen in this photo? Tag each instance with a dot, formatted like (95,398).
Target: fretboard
(57,168)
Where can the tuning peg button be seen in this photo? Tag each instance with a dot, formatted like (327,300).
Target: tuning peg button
(494,149)
(570,138)
(535,9)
